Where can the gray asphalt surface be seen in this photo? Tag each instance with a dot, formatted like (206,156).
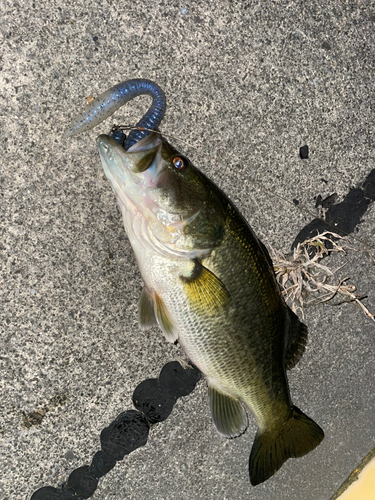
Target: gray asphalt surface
(247,84)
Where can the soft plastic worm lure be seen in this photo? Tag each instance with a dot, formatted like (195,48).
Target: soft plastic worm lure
(106,104)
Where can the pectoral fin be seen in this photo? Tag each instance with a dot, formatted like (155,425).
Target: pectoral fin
(227,413)
(205,291)
(146,314)
(163,319)
(152,312)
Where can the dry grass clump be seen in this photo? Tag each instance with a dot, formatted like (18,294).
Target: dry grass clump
(305,281)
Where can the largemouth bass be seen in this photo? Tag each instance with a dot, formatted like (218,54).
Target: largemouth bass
(210,285)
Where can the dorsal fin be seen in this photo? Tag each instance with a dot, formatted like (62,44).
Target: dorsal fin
(295,341)
(266,253)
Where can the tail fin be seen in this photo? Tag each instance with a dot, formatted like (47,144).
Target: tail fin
(299,436)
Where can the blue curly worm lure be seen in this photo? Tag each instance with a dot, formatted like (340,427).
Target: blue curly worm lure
(112,99)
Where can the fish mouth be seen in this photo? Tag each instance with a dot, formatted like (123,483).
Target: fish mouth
(132,172)
(137,159)
(151,140)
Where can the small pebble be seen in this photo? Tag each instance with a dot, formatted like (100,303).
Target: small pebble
(304,152)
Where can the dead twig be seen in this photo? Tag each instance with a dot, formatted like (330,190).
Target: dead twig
(303,275)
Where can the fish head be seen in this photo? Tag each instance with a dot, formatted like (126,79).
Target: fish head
(180,209)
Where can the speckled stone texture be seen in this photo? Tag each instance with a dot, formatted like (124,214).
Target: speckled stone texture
(247,84)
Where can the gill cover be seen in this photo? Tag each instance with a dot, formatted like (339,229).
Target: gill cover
(180,206)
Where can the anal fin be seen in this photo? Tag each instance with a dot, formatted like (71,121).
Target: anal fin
(228,414)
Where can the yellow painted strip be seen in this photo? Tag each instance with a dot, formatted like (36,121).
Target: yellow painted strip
(360,485)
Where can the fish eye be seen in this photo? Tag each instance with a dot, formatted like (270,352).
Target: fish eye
(179,163)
